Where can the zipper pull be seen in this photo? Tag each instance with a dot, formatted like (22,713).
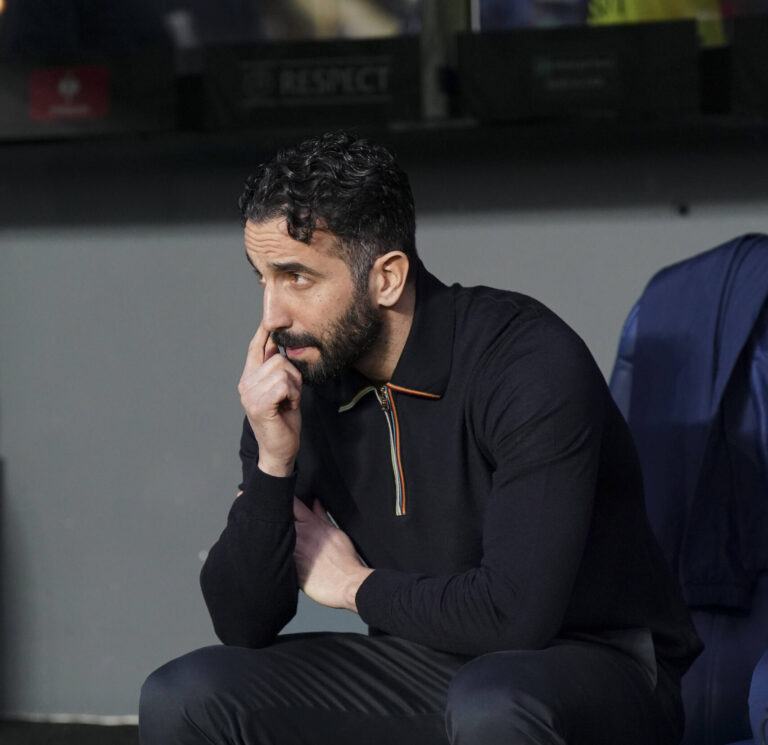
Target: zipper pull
(381,393)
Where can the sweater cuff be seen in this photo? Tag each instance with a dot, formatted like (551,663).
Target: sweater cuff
(374,597)
(269,498)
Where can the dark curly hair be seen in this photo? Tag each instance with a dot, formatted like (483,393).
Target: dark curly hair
(337,182)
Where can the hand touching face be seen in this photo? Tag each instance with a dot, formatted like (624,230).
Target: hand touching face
(270,392)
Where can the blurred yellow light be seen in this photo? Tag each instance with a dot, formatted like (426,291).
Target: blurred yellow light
(2,5)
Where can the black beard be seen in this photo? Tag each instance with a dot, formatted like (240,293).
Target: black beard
(346,340)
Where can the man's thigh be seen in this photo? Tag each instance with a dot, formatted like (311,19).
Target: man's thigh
(311,689)
(579,694)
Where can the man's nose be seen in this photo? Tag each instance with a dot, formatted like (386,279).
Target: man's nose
(275,315)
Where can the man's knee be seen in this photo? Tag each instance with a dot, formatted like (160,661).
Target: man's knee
(179,700)
(487,705)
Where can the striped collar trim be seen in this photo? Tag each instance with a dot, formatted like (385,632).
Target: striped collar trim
(412,392)
(400,389)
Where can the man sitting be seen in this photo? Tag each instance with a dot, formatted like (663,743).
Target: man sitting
(487,510)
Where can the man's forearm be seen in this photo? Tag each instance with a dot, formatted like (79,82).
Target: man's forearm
(249,578)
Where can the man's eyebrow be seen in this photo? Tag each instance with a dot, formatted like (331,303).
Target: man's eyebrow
(291,267)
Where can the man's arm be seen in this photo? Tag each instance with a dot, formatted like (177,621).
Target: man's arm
(542,421)
(249,578)
(539,412)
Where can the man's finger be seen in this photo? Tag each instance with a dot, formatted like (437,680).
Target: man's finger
(270,348)
(256,351)
(319,510)
(261,374)
(280,363)
(279,390)
(300,511)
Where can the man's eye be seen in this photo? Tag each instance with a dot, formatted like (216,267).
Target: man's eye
(298,279)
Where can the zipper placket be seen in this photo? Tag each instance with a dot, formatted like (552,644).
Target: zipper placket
(387,404)
(386,401)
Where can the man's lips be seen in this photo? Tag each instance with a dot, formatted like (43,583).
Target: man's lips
(295,351)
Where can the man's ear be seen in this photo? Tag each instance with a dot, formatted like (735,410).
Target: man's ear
(388,277)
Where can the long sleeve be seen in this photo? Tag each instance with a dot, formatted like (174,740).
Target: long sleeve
(249,578)
(538,415)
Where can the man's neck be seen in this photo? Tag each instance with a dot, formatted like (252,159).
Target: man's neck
(380,363)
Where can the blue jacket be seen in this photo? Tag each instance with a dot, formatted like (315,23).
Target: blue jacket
(692,381)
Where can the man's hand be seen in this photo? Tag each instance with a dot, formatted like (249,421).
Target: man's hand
(327,564)
(270,392)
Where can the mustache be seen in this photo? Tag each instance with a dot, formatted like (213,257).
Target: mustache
(288,339)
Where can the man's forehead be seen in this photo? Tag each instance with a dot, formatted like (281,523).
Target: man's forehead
(264,234)
(269,246)
(272,238)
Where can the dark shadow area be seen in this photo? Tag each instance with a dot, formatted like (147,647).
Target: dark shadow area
(575,165)
(40,733)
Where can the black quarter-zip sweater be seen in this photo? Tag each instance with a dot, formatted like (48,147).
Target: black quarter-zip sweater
(492,484)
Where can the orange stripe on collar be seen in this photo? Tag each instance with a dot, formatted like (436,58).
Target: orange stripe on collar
(424,394)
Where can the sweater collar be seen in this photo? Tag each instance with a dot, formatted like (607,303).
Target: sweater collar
(425,363)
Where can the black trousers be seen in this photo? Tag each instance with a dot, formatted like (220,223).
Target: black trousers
(350,689)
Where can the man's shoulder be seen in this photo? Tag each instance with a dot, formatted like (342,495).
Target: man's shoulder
(503,332)
(515,358)
(490,314)
(481,294)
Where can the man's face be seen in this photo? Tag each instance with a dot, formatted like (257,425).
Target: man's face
(311,306)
